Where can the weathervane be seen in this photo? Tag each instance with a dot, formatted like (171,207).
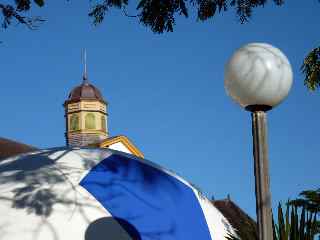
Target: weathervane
(85,75)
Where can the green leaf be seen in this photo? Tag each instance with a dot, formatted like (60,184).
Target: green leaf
(40,3)
(287,223)
(141,4)
(281,223)
(292,222)
(302,224)
(311,70)
(274,229)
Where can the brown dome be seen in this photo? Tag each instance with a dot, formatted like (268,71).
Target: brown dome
(85,91)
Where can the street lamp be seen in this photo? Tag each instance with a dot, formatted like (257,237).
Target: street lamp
(258,77)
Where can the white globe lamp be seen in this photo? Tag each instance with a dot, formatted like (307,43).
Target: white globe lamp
(258,76)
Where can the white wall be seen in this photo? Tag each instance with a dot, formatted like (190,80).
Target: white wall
(120,147)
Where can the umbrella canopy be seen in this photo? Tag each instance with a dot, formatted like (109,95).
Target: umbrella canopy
(95,194)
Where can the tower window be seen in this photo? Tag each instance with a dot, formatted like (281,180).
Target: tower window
(103,123)
(90,121)
(74,122)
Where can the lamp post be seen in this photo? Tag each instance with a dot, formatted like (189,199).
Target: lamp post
(258,76)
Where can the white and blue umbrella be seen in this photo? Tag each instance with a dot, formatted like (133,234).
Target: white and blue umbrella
(100,194)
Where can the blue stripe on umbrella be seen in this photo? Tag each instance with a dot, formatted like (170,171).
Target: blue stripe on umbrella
(158,206)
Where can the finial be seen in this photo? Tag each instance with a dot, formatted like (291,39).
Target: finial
(85,75)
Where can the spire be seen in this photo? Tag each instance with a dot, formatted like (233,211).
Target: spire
(85,75)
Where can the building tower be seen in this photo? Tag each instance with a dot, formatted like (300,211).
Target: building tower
(85,115)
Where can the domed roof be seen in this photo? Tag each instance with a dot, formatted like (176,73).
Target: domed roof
(85,91)
(87,194)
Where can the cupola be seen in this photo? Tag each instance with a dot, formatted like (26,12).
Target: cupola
(85,114)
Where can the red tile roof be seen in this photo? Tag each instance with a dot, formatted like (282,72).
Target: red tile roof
(245,226)
(10,148)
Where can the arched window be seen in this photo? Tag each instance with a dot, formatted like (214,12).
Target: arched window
(74,122)
(103,123)
(90,121)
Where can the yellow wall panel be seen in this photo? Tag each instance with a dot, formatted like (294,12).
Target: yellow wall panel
(96,109)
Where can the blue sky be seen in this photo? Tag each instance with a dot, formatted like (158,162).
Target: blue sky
(166,92)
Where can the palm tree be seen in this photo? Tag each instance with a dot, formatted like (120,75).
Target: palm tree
(298,222)
(310,201)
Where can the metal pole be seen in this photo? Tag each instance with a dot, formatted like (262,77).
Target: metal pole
(261,172)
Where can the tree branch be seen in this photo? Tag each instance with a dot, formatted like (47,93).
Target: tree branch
(10,13)
(311,69)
